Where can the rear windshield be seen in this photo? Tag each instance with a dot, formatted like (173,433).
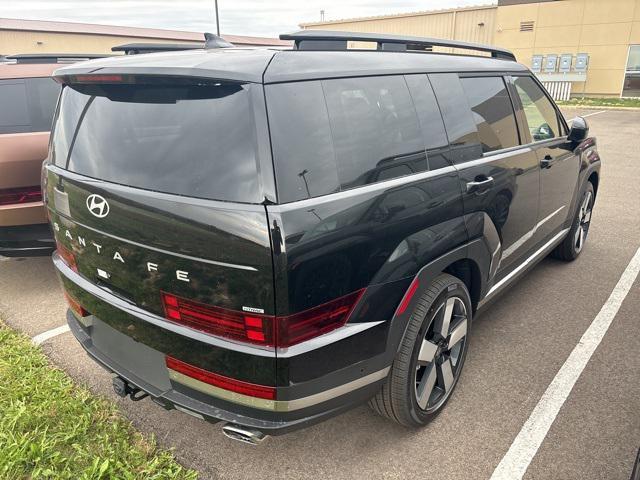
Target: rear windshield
(187,139)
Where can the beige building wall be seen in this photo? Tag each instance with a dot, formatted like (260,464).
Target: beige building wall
(474,24)
(602,28)
(15,41)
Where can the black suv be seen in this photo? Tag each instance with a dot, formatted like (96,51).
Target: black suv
(269,237)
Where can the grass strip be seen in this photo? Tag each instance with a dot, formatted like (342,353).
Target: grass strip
(600,102)
(51,428)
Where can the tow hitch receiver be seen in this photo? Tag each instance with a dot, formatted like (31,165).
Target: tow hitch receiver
(123,389)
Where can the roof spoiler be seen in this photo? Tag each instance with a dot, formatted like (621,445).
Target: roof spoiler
(138,48)
(53,57)
(334,40)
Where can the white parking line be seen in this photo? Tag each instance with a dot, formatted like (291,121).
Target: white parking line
(516,461)
(594,113)
(54,332)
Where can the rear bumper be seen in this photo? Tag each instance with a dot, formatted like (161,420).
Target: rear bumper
(107,335)
(26,240)
(170,398)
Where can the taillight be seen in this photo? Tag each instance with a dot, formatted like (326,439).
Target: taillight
(220,381)
(219,321)
(75,305)
(11,196)
(67,256)
(316,321)
(268,330)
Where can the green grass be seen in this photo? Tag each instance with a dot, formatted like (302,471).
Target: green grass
(601,102)
(51,428)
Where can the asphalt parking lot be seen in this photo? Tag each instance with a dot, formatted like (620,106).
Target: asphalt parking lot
(517,347)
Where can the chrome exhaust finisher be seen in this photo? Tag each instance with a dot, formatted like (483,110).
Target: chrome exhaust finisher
(243,434)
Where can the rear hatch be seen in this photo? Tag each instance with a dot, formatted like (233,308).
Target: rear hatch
(153,190)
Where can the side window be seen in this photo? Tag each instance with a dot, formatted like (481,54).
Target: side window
(304,161)
(541,116)
(492,112)
(463,135)
(14,115)
(375,130)
(42,95)
(433,132)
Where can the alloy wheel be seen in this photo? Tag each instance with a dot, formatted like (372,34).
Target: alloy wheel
(441,354)
(584,218)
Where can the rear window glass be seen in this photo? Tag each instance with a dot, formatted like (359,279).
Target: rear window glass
(492,112)
(188,139)
(27,104)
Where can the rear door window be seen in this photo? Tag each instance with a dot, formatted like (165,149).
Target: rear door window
(193,139)
(542,117)
(464,140)
(492,112)
(375,129)
(433,132)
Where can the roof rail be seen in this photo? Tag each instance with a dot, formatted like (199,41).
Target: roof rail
(53,57)
(334,40)
(138,48)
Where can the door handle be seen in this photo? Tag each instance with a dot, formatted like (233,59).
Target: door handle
(480,186)
(547,161)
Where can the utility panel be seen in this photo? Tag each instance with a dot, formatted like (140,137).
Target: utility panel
(551,63)
(565,63)
(582,62)
(536,63)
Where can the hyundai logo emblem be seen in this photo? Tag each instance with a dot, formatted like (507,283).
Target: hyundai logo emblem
(97,205)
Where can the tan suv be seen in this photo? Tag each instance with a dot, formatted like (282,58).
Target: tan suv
(28,96)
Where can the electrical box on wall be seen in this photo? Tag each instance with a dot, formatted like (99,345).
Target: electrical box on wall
(551,62)
(582,62)
(536,63)
(565,63)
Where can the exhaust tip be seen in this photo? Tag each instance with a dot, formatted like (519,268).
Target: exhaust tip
(243,434)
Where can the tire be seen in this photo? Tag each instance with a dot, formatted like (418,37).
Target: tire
(428,365)
(573,243)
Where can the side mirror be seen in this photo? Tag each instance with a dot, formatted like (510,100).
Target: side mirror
(579,130)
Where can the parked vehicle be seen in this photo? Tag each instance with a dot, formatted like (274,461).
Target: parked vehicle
(28,97)
(270,237)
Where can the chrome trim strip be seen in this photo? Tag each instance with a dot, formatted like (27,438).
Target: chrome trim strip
(155,249)
(312,344)
(492,157)
(318,342)
(372,187)
(278,405)
(518,243)
(538,253)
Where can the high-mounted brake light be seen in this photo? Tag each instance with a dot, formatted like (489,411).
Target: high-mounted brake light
(67,256)
(220,381)
(11,196)
(267,330)
(96,78)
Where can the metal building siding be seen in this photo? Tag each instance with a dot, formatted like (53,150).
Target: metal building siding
(462,24)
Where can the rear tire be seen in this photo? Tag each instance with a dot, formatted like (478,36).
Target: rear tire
(573,243)
(429,361)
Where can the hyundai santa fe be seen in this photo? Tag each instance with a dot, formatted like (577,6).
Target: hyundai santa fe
(269,237)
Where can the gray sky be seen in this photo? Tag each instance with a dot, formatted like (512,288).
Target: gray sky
(240,17)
